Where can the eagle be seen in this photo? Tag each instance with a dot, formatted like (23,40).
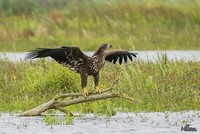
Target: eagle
(73,58)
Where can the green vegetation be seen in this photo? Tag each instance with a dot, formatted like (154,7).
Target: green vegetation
(152,24)
(51,120)
(161,86)
(58,120)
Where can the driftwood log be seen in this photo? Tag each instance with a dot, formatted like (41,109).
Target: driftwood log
(75,98)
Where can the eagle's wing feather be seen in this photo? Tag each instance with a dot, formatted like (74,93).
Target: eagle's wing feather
(125,58)
(71,57)
(113,55)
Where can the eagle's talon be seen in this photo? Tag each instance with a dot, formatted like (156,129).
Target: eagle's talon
(85,92)
(97,89)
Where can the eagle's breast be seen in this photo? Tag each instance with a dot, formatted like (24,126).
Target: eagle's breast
(97,62)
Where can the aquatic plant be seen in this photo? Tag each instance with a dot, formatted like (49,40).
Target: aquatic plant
(51,120)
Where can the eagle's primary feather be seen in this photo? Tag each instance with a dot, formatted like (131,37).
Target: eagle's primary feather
(73,58)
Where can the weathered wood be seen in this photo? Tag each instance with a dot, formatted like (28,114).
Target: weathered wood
(39,109)
(81,99)
(77,98)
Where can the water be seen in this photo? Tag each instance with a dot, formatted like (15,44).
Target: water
(121,123)
(142,55)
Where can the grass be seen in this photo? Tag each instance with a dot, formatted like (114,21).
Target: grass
(58,120)
(147,25)
(161,86)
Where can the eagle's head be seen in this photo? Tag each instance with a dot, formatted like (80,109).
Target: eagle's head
(102,48)
(105,46)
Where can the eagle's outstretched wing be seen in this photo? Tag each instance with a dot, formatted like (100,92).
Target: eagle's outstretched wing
(71,57)
(113,55)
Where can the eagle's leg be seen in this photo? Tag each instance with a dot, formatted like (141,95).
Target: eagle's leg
(84,84)
(96,81)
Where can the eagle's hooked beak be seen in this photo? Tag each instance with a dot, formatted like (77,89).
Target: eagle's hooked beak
(109,46)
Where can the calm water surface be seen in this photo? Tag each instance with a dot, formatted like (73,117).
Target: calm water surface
(142,55)
(121,123)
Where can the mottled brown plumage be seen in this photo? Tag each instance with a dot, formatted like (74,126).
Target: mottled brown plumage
(76,60)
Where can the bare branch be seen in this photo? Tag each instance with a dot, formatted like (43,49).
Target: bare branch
(59,105)
(39,109)
(64,111)
(125,96)
(81,99)
(81,94)
(68,95)
(108,89)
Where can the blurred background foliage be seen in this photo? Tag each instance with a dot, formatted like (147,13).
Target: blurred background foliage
(129,24)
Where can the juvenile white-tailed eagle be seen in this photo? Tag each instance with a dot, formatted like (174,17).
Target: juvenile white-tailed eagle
(73,58)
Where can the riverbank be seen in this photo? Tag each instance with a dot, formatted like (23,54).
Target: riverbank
(158,86)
